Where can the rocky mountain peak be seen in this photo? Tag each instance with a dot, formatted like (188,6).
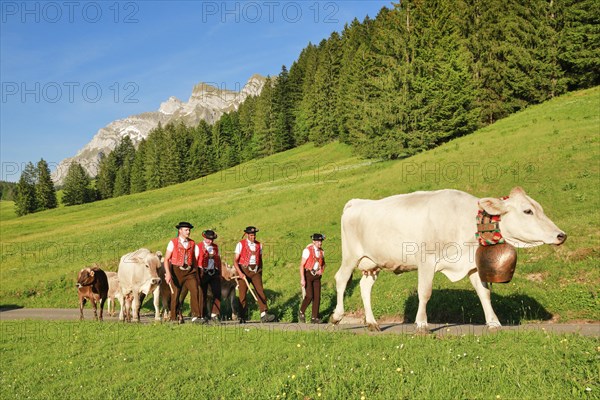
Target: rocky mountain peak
(207,102)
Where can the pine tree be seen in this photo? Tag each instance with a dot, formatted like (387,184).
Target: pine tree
(44,188)
(307,107)
(25,201)
(325,94)
(243,142)
(107,172)
(138,169)
(263,140)
(155,158)
(202,160)
(282,112)
(579,42)
(77,186)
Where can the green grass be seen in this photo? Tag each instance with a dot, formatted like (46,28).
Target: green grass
(112,360)
(551,150)
(7,210)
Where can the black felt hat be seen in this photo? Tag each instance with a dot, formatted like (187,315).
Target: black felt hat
(318,236)
(184,224)
(251,229)
(209,234)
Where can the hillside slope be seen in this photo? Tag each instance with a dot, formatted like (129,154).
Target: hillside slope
(551,150)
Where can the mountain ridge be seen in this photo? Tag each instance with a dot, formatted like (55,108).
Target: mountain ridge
(206,102)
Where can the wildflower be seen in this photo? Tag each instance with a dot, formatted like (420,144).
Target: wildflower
(398,369)
(298,345)
(588,389)
(293,376)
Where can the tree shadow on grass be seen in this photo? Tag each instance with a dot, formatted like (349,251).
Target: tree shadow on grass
(463,307)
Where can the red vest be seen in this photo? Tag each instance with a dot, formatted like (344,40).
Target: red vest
(180,255)
(246,253)
(203,256)
(312,258)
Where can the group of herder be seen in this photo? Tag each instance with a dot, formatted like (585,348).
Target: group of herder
(196,266)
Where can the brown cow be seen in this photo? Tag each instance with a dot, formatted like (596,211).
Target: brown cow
(92,284)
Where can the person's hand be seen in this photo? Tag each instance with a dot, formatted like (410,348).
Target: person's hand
(168,278)
(302,282)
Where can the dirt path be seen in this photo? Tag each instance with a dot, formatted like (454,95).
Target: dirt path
(63,314)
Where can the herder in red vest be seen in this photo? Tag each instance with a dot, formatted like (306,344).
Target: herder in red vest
(311,271)
(181,270)
(209,264)
(248,263)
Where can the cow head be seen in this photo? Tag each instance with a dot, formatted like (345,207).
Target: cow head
(85,277)
(523,222)
(228,272)
(152,262)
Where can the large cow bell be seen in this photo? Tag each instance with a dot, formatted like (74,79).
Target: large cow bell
(496,263)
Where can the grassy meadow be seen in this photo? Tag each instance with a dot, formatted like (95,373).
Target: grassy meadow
(552,150)
(113,360)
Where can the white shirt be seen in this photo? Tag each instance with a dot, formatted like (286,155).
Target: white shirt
(184,242)
(252,246)
(306,255)
(210,250)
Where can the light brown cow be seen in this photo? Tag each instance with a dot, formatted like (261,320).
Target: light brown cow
(138,276)
(114,292)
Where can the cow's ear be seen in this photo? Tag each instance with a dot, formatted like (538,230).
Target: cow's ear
(516,191)
(92,272)
(492,206)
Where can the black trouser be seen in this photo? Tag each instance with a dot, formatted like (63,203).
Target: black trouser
(215,286)
(313,293)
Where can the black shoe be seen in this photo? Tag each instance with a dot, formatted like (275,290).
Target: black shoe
(315,320)
(267,318)
(242,320)
(301,317)
(199,321)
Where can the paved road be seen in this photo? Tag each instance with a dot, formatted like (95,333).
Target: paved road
(62,314)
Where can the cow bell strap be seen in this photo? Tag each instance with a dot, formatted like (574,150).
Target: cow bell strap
(488,228)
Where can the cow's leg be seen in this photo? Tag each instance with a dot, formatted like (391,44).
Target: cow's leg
(342,278)
(81,304)
(135,306)
(120,298)
(366,284)
(156,302)
(95,305)
(102,300)
(424,288)
(109,309)
(484,293)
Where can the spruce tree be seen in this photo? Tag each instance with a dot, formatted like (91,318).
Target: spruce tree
(44,188)
(77,186)
(25,201)
(282,112)
(137,179)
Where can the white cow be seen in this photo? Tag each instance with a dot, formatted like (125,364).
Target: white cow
(431,232)
(138,276)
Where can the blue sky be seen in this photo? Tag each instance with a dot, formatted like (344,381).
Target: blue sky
(69,68)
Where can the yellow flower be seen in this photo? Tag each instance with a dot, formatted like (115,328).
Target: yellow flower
(293,376)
